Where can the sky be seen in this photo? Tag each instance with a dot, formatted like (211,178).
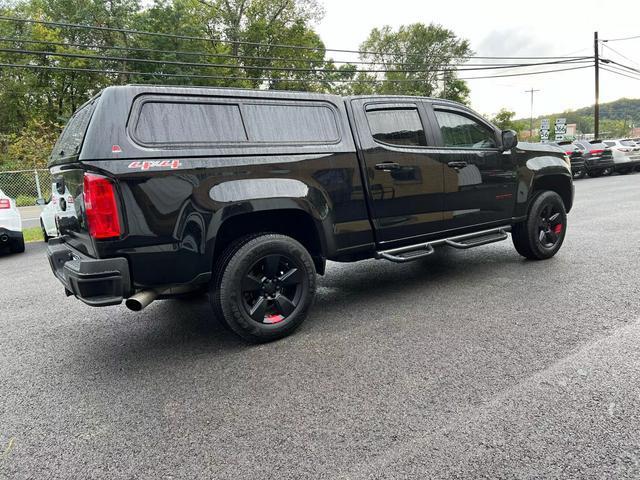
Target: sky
(497,28)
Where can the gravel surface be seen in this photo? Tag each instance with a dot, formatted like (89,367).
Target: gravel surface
(464,365)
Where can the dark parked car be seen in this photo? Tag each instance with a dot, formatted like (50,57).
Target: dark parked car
(598,157)
(245,194)
(575,156)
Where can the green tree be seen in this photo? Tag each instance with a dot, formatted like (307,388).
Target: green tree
(418,59)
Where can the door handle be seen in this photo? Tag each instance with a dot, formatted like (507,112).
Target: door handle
(387,166)
(457,165)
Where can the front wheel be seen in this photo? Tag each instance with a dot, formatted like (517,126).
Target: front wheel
(579,173)
(541,235)
(266,288)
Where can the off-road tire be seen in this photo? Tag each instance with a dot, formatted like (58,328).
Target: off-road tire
(239,260)
(526,235)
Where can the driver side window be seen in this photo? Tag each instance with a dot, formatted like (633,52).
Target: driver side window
(463,132)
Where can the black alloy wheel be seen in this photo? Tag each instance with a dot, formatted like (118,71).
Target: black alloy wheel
(263,286)
(272,288)
(550,226)
(541,235)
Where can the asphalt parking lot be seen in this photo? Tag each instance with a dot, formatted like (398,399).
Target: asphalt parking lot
(465,365)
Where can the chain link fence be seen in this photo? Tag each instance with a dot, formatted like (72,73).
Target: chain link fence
(26,186)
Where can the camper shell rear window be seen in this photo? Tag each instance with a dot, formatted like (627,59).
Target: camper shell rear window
(173,121)
(70,142)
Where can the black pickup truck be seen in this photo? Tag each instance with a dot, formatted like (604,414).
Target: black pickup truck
(245,194)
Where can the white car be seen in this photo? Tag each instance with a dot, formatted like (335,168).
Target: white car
(10,225)
(626,154)
(59,205)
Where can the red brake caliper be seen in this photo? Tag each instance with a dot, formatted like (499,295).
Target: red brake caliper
(273,318)
(557,229)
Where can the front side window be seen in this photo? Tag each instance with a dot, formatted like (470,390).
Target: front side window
(401,126)
(463,132)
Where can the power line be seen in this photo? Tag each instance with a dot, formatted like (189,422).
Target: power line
(618,53)
(619,73)
(526,74)
(620,39)
(228,55)
(262,79)
(236,42)
(635,70)
(268,68)
(616,68)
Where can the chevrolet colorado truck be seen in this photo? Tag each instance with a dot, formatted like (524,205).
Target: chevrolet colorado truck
(246,194)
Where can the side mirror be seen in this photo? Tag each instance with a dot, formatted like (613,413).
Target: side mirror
(41,201)
(509,139)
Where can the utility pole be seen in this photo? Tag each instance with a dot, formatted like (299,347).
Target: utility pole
(532,91)
(596,107)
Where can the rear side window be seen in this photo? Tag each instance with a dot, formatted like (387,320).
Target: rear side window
(165,123)
(464,132)
(70,142)
(201,123)
(291,123)
(401,126)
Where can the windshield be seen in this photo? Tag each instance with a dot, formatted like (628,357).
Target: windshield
(628,143)
(70,141)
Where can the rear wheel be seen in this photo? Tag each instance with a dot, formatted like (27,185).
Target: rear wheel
(579,173)
(44,232)
(265,288)
(595,173)
(542,234)
(18,245)
(607,171)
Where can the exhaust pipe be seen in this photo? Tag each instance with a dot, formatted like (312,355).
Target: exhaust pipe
(141,300)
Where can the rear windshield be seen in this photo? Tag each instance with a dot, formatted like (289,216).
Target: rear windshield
(70,142)
(609,144)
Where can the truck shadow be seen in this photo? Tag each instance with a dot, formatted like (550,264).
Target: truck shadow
(173,330)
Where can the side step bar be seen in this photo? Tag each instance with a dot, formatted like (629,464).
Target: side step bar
(421,250)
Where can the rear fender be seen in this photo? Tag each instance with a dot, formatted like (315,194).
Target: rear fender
(249,197)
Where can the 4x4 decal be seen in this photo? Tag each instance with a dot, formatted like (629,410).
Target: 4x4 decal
(148,164)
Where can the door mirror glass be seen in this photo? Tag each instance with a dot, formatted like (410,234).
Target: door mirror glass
(41,201)
(509,139)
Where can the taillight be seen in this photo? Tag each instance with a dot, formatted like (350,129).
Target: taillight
(101,207)
(569,153)
(4,203)
(597,152)
(69,199)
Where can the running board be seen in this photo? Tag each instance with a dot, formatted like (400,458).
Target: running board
(421,250)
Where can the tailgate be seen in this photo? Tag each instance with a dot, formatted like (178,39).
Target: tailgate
(71,219)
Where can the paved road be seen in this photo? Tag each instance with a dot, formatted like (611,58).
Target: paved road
(466,365)
(30,216)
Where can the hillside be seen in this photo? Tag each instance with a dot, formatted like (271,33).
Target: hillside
(619,114)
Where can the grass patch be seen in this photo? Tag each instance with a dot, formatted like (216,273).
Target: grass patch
(33,234)
(25,201)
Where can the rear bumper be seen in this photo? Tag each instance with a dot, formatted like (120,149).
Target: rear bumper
(96,282)
(598,164)
(9,237)
(627,165)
